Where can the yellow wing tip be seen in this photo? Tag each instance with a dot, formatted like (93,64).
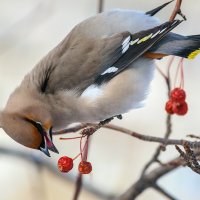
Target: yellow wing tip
(194,54)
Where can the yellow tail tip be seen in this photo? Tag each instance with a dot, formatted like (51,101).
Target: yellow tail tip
(194,54)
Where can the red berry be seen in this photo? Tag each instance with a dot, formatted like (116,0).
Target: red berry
(65,164)
(85,167)
(178,95)
(180,108)
(169,107)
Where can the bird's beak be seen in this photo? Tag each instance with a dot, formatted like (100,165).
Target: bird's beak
(47,143)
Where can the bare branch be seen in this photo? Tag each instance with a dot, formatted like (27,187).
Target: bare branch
(177,10)
(193,145)
(193,136)
(150,179)
(189,158)
(100,6)
(163,192)
(40,162)
(155,157)
(78,187)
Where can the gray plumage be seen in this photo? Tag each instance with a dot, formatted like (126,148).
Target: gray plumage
(63,89)
(73,64)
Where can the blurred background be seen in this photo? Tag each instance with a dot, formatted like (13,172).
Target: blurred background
(29,29)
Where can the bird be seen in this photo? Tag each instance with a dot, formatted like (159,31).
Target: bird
(101,69)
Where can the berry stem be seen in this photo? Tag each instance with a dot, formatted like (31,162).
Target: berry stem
(77,156)
(169,66)
(182,72)
(82,149)
(179,70)
(71,138)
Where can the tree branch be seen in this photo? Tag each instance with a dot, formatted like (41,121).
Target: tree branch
(177,10)
(100,6)
(40,162)
(181,142)
(163,192)
(150,179)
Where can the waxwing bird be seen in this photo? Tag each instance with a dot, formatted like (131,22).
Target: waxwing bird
(102,68)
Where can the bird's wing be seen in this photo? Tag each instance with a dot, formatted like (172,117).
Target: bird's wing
(133,47)
(82,61)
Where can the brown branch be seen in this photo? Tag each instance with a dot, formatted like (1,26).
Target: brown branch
(189,158)
(79,180)
(155,157)
(78,187)
(163,192)
(193,145)
(150,179)
(40,162)
(88,128)
(100,6)
(177,10)
(193,136)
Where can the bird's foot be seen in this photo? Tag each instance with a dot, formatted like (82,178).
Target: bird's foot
(106,121)
(182,15)
(91,130)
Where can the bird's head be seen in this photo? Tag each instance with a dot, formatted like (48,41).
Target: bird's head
(31,128)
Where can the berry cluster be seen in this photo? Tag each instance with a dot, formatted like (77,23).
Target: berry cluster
(177,104)
(65,164)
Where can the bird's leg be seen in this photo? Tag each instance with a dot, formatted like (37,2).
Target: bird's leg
(181,14)
(119,117)
(177,10)
(106,121)
(91,130)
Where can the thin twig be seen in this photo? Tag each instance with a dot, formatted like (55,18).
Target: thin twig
(100,6)
(189,158)
(155,157)
(39,161)
(78,187)
(150,179)
(163,192)
(193,136)
(177,10)
(87,131)
(148,138)
(193,145)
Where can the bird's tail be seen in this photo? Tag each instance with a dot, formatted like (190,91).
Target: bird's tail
(178,45)
(192,51)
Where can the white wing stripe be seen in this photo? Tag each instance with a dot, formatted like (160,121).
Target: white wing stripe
(110,70)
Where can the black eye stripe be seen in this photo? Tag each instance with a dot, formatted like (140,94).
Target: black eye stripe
(40,129)
(36,124)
